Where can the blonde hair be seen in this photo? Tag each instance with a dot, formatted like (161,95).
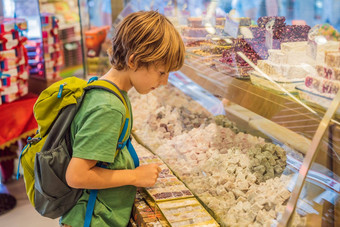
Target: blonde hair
(151,38)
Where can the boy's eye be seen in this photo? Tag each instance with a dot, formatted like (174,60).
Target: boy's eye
(162,73)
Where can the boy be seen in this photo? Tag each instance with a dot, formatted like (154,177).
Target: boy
(145,48)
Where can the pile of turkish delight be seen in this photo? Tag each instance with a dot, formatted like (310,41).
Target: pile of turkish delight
(13,60)
(171,195)
(44,54)
(161,118)
(238,176)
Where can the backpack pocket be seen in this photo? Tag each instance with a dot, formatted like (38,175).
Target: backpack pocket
(53,197)
(27,163)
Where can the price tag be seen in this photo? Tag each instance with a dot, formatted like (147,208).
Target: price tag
(231,27)
(269,33)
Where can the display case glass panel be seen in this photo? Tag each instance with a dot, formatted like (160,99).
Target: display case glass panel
(239,118)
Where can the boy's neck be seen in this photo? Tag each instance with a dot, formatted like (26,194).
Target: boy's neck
(120,78)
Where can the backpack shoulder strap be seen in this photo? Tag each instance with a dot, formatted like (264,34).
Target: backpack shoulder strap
(111,87)
(124,139)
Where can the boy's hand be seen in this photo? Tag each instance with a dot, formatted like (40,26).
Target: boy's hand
(146,175)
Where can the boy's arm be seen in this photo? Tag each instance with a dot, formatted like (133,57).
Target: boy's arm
(83,173)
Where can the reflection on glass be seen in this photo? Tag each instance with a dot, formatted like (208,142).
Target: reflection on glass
(285,57)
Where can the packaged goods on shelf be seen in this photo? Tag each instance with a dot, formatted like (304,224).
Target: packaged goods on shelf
(72,53)
(9,36)
(65,11)
(8,63)
(13,60)
(8,45)
(45,54)
(10,53)
(10,24)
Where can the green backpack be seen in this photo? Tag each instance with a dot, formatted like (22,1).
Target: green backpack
(46,156)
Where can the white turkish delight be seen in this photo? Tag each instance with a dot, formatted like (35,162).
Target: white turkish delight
(238,193)
(242,185)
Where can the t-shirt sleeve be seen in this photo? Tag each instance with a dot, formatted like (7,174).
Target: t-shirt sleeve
(97,134)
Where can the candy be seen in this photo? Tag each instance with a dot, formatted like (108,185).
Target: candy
(332,58)
(295,33)
(262,21)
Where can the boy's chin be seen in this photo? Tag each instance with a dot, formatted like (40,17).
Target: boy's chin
(144,92)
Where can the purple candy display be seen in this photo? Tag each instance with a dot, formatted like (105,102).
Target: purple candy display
(258,33)
(295,33)
(256,49)
(262,21)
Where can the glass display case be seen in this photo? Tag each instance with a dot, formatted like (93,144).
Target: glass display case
(250,124)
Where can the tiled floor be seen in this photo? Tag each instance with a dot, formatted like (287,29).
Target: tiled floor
(23,215)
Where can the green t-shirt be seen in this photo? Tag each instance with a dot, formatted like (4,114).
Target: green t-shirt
(94,135)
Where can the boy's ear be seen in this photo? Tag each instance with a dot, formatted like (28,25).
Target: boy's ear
(131,64)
